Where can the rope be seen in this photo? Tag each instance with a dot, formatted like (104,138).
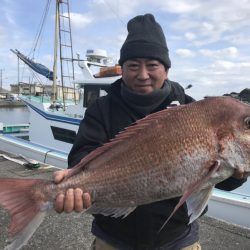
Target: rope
(41,25)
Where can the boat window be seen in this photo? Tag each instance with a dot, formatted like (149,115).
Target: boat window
(64,135)
(91,96)
(92,92)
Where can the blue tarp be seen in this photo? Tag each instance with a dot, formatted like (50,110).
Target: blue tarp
(39,68)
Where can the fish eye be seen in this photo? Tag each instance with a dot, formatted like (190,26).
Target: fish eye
(247,122)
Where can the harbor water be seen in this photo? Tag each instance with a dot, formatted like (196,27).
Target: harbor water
(14,115)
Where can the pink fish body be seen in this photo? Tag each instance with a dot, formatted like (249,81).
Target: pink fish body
(181,151)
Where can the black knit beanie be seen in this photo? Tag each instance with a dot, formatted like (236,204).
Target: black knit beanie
(145,40)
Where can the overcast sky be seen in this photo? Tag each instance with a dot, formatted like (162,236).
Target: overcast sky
(208,40)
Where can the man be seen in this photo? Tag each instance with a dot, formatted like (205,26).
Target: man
(143,89)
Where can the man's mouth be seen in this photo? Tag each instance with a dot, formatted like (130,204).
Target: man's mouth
(143,85)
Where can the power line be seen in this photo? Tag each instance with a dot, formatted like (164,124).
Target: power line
(41,27)
(114,12)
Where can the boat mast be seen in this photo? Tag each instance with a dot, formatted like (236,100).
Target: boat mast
(18,75)
(54,94)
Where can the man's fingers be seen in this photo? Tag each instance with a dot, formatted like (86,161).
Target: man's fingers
(73,200)
(78,200)
(60,175)
(81,201)
(69,201)
(86,200)
(59,203)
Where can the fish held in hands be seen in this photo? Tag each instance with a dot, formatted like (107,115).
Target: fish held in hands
(181,151)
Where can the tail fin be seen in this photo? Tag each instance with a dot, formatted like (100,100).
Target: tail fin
(25,210)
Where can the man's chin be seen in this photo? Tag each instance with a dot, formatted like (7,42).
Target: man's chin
(143,89)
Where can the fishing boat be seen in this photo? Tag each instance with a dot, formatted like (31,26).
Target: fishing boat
(54,122)
(52,125)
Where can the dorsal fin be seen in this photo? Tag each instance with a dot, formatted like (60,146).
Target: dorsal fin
(125,134)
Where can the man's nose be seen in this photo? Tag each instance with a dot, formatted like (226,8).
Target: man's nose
(143,73)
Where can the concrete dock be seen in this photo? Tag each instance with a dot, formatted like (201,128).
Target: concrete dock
(72,231)
(11,104)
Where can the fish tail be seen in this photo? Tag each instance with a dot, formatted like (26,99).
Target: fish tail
(26,211)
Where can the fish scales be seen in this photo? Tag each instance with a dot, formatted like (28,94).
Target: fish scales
(182,151)
(147,157)
(147,154)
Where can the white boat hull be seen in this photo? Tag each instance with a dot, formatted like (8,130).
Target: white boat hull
(43,121)
(230,207)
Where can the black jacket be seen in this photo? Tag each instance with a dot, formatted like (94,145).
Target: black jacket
(102,121)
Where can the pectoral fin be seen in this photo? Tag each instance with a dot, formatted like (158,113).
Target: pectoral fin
(197,202)
(192,191)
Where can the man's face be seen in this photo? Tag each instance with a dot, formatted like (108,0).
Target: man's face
(143,75)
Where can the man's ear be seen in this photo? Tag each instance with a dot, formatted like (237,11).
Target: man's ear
(166,72)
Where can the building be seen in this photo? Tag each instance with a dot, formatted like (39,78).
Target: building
(5,94)
(39,90)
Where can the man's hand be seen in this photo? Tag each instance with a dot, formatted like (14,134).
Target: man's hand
(74,199)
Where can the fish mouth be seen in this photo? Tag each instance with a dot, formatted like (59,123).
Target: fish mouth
(244,170)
